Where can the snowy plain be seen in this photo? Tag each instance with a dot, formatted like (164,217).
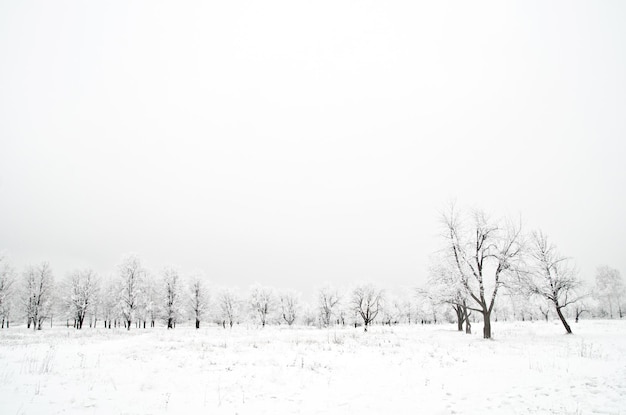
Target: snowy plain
(529,367)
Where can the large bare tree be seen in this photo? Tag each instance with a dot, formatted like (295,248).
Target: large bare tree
(171,298)
(38,294)
(261,301)
(485,253)
(229,306)
(610,289)
(83,287)
(198,299)
(7,280)
(550,276)
(328,302)
(289,306)
(367,302)
(131,277)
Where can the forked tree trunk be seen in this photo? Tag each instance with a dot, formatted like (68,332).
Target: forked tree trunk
(468,325)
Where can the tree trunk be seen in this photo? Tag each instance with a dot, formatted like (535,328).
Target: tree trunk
(197,323)
(128,325)
(459,317)
(169,323)
(487,325)
(567,327)
(468,325)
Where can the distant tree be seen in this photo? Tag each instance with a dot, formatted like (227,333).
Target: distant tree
(580,307)
(38,294)
(367,301)
(83,286)
(261,303)
(428,309)
(289,306)
(150,299)
(229,305)
(391,311)
(309,315)
(550,276)
(171,299)
(328,303)
(109,301)
(485,253)
(610,289)
(7,280)
(519,303)
(131,277)
(406,307)
(198,299)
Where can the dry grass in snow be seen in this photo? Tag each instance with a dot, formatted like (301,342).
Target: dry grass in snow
(527,368)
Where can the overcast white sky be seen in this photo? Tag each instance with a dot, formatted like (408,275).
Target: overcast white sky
(292,143)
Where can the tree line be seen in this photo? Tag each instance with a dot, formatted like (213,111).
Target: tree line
(136,298)
(485,270)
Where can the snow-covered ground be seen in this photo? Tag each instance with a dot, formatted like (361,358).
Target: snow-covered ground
(527,368)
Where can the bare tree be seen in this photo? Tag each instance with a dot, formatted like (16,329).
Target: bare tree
(610,289)
(198,299)
(131,275)
(485,253)
(7,280)
(289,306)
(583,305)
(171,296)
(550,276)
(261,302)
(109,301)
(83,286)
(367,301)
(38,293)
(407,305)
(328,302)
(445,286)
(229,306)
(150,299)
(309,315)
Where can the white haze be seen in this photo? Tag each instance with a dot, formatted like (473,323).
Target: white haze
(293,143)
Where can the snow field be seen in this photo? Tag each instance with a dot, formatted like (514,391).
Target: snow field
(529,367)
